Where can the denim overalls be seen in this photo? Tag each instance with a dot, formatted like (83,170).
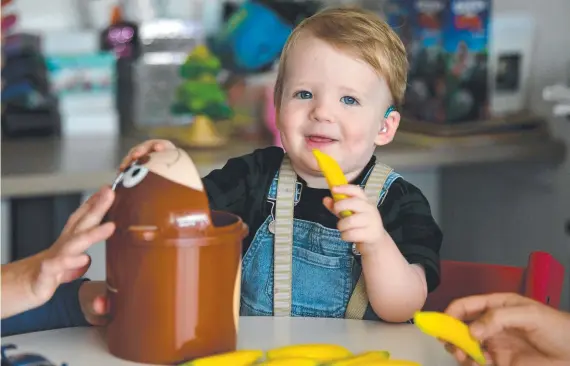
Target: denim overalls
(313,272)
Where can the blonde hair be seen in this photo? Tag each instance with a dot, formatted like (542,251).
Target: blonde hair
(360,32)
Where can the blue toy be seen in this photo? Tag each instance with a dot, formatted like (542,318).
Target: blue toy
(24,359)
(254,35)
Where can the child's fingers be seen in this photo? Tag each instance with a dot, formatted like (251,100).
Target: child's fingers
(354,204)
(145,148)
(135,153)
(350,190)
(354,221)
(358,235)
(100,305)
(94,303)
(328,202)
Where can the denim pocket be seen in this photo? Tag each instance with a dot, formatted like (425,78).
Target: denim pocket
(322,284)
(257,275)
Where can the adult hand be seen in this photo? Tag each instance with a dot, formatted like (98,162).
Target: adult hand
(515,330)
(32,281)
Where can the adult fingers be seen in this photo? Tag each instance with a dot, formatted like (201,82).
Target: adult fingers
(523,318)
(80,242)
(61,269)
(76,267)
(97,211)
(80,211)
(471,307)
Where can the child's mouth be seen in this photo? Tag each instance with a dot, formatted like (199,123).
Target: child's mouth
(317,139)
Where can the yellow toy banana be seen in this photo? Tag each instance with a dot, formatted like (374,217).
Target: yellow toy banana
(388,363)
(450,330)
(319,352)
(290,361)
(362,358)
(237,358)
(333,174)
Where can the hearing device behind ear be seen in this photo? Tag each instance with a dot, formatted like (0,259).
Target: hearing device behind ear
(390,110)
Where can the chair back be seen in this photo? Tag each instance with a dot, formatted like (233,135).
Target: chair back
(542,279)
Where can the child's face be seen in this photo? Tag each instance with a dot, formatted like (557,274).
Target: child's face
(334,102)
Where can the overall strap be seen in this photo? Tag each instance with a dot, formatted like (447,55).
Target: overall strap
(283,242)
(359,299)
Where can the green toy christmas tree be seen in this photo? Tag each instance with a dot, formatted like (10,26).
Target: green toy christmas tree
(201,97)
(200,93)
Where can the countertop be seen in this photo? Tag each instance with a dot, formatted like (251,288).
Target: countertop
(87,346)
(49,166)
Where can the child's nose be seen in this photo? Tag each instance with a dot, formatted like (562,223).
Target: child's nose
(321,112)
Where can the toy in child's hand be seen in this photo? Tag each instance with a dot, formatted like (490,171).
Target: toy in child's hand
(333,174)
(450,329)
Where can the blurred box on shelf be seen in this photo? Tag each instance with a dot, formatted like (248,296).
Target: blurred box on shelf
(447,45)
(28,106)
(165,45)
(85,86)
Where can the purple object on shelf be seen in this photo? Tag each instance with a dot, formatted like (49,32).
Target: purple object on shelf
(8,22)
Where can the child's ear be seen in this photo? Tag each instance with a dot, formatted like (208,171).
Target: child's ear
(388,129)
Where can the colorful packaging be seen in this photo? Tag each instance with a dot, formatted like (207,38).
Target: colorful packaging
(447,42)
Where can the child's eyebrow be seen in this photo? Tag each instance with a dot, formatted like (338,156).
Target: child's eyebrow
(349,90)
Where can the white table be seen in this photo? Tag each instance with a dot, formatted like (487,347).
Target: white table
(87,347)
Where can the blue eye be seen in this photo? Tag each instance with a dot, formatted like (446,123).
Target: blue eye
(303,94)
(349,100)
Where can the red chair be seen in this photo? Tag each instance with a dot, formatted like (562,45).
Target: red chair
(542,280)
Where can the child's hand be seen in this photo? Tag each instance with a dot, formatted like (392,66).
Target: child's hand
(145,148)
(364,226)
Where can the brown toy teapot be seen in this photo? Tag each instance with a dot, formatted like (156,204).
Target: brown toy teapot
(173,266)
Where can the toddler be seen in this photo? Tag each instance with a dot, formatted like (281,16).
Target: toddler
(341,76)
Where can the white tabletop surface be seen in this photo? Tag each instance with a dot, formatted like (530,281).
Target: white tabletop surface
(86,346)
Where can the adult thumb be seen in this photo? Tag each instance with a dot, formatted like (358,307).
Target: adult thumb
(498,320)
